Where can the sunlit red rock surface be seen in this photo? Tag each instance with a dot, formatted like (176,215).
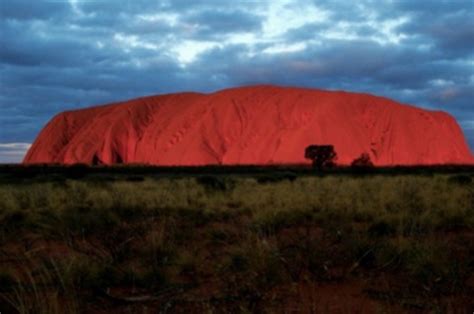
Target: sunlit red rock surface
(256,125)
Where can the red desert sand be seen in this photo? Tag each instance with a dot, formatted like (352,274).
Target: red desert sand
(257,125)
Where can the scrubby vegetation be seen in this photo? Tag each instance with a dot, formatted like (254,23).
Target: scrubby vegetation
(237,244)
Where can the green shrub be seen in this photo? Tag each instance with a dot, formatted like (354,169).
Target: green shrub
(460,179)
(381,229)
(277,177)
(88,220)
(7,281)
(213,183)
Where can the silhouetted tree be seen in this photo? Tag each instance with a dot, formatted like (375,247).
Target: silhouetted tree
(363,161)
(322,156)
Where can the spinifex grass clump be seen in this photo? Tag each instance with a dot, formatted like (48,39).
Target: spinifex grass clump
(238,244)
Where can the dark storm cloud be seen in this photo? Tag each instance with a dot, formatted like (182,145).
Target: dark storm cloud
(28,10)
(24,46)
(57,55)
(452,34)
(357,11)
(185,6)
(210,23)
(449,25)
(338,60)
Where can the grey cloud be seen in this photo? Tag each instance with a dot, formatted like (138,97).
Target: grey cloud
(435,8)
(452,35)
(447,24)
(113,8)
(186,6)
(29,10)
(29,44)
(309,31)
(211,22)
(340,10)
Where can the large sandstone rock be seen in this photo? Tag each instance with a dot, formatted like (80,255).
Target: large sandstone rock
(256,125)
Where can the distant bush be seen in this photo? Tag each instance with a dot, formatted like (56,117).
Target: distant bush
(215,183)
(77,171)
(381,229)
(7,281)
(363,161)
(460,179)
(276,177)
(322,156)
(135,178)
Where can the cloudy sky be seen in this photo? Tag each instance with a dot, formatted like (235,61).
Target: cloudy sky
(57,55)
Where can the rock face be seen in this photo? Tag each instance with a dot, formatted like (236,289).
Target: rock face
(256,125)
